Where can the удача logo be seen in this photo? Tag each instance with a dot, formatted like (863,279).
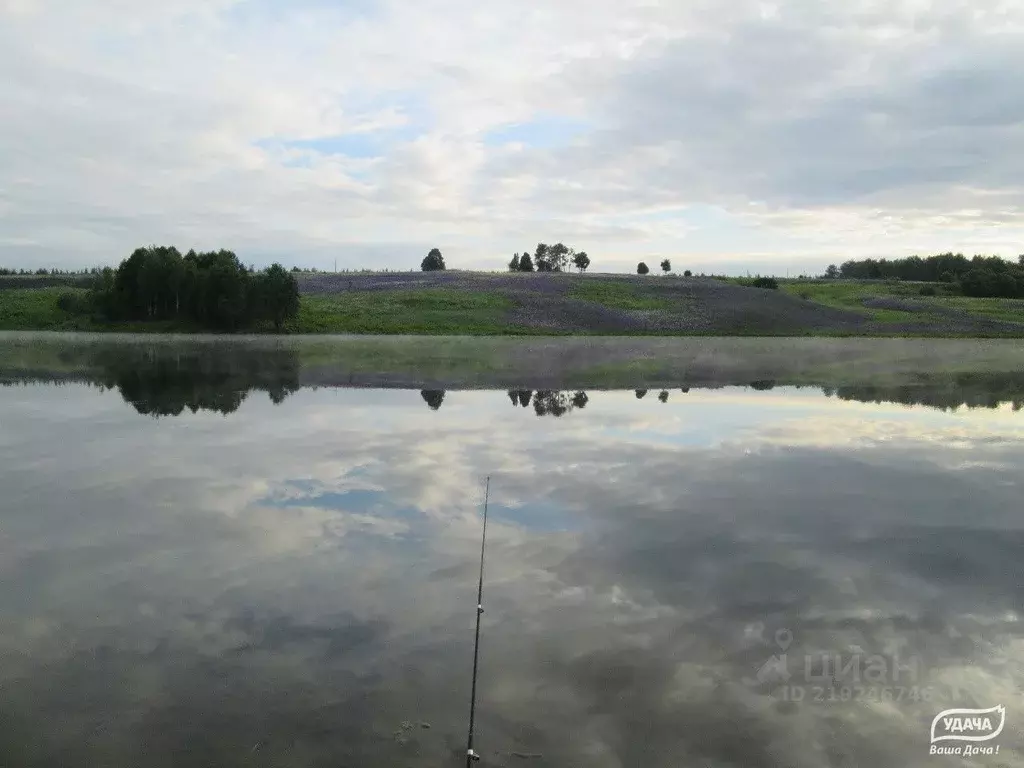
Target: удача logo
(967,725)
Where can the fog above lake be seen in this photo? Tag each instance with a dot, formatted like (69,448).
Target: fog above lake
(231,563)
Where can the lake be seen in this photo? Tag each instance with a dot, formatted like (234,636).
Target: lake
(217,555)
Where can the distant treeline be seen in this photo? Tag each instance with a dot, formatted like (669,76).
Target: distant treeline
(549,258)
(211,290)
(977,276)
(5,271)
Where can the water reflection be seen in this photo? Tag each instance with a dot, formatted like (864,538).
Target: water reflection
(157,386)
(964,390)
(295,585)
(432,397)
(165,385)
(165,381)
(162,379)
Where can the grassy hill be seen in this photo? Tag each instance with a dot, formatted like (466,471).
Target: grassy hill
(478,303)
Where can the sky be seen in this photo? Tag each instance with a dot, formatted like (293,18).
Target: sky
(748,135)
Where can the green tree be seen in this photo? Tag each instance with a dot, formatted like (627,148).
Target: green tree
(541,259)
(663,396)
(832,272)
(277,294)
(666,266)
(433,261)
(559,255)
(581,260)
(227,287)
(513,266)
(642,269)
(687,273)
(525,263)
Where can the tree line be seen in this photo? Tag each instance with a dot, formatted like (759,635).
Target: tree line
(978,276)
(549,258)
(211,289)
(8,271)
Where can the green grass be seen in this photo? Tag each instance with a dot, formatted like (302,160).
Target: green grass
(35,309)
(619,295)
(438,311)
(851,294)
(430,310)
(848,294)
(443,311)
(1011,310)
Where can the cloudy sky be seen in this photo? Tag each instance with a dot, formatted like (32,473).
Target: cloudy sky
(741,135)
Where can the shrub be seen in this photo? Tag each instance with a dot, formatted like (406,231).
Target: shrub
(765,282)
(73,303)
(927,290)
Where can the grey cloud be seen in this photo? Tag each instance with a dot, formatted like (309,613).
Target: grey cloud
(805,114)
(909,107)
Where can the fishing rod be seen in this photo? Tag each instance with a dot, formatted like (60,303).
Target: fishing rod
(472,756)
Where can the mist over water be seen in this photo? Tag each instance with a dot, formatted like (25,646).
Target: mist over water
(218,560)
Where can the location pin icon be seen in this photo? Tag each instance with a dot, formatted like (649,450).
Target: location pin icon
(783,638)
(756,631)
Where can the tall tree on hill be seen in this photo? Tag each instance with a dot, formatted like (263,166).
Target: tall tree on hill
(666,266)
(525,263)
(541,259)
(433,261)
(513,266)
(559,255)
(642,269)
(581,260)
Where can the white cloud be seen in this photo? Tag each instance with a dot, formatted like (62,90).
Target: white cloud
(816,131)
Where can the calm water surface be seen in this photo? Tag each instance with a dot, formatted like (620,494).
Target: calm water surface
(289,580)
